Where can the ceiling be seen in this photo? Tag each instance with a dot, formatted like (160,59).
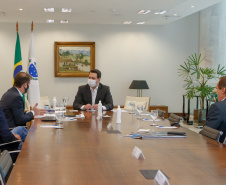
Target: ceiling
(100,11)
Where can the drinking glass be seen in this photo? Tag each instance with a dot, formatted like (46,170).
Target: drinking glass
(154,115)
(132,105)
(59,117)
(65,101)
(140,109)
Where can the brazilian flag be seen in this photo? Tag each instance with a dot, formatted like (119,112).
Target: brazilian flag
(18,58)
(18,61)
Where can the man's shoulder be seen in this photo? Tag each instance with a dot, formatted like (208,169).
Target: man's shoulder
(84,86)
(103,86)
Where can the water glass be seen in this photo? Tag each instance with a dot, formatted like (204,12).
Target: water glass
(132,105)
(154,115)
(140,109)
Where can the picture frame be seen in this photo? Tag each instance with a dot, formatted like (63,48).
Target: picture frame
(74,59)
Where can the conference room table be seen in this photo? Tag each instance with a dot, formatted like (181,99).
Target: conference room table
(84,153)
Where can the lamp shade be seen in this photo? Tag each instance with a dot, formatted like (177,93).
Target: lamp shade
(139,84)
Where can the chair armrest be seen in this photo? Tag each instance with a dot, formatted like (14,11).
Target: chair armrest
(9,143)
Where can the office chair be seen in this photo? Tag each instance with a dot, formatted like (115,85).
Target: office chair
(161,113)
(211,133)
(12,148)
(6,166)
(174,119)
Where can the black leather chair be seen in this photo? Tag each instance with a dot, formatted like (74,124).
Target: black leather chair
(174,119)
(211,133)
(6,166)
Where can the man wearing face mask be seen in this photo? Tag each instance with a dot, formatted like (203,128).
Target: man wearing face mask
(89,95)
(13,105)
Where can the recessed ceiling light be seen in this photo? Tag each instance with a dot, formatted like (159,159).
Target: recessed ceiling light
(49,21)
(21,9)
(160,12)
(127,22)
(64,21)
(141,23)
(175,14)
(48,9)
(144,12)
(66,10)
(192,6)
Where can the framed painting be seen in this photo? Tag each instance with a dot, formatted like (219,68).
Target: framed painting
(74,59)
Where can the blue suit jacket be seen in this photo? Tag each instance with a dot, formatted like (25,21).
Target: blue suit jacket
(216,117)
(13,107)
(84,96)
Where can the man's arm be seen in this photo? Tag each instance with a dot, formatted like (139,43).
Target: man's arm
(213,119)
(20,117)
(78,100)
(108,101)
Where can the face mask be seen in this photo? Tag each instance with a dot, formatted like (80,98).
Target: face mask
(26,89)
(92,83)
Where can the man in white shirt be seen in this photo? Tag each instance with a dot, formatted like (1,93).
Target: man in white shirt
(89,95)
(216,117)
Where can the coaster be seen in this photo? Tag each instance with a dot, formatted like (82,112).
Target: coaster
(113,132)
(150,174)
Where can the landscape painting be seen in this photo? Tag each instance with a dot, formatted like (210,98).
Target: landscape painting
(74,59)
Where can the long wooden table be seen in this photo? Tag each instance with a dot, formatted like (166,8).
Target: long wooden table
(83,153)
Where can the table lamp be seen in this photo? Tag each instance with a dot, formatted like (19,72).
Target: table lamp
(139,85)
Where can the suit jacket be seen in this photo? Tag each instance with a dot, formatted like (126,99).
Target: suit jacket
(84,96)
(5,134)
(216,117)
(13,106)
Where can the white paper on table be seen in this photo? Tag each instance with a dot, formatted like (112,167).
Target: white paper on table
(114,110)
(161,179)
(49,126)
(143,130)
(39,116)
(68,119)
(138,153)
(165,127)
(80,116)
(142,114)
(73,110)
(106,116)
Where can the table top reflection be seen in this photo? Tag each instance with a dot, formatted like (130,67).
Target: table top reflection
(84,153)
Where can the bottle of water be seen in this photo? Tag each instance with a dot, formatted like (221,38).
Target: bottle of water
(54,103)
(119,113)
(100,109)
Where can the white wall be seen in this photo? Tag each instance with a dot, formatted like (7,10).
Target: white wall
(123,53)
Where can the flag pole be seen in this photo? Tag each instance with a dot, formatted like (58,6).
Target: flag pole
(32,26)
(17,26)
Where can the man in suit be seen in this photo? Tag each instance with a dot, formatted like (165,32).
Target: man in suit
(8,136)
(216,117)
(13,105)
(89,95)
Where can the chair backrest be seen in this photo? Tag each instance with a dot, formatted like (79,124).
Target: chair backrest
(174,119)
(161,113)
(139,101)
(6,166)
(211,133)
(44,101)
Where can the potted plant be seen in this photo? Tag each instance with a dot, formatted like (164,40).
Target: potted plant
(196,78)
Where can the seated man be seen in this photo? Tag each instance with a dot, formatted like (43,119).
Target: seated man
(89,95)
(13,105)
(18,133)
(216,117)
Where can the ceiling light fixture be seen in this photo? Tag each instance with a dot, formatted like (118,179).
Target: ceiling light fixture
(66,10)
(64,21)
(21,9)
(49,21)
(192,6)
(141,23)
(144,12)
(48,9)
(127,22)
(160,12)
(175,14)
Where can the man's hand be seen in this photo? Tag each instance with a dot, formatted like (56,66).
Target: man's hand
(38,111)
(95,107)
(87,107)
(17,136)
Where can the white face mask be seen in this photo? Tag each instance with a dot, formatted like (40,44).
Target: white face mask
(92,83)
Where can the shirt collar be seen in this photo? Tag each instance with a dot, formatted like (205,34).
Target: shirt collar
(19,92)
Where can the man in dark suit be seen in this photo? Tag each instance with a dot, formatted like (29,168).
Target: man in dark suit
(216,117)
(89,95)
(13,105)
